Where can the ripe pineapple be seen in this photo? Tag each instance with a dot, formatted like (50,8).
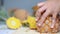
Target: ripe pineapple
(21,14)
(19,19)
(46,26)
(13,23)
(32,22)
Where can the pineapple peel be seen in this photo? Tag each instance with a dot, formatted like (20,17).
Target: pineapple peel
(46,26)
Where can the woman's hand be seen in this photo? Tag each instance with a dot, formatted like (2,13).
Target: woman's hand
(51,7)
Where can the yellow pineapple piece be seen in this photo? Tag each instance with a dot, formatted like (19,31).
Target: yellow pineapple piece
(13,23)
(32,22)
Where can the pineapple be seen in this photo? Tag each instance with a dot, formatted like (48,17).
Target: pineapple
(13,23)
(47,24)
(32,22)
(20,18)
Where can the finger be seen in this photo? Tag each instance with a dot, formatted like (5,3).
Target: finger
(37,15)
(40,4)
(43,17)
(38,24)
(53,20)
(39,11)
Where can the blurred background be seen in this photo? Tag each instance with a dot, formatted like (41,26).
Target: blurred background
(5,5)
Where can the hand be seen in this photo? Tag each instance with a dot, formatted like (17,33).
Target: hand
(51,8)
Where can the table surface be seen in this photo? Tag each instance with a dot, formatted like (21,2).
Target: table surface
(21,30)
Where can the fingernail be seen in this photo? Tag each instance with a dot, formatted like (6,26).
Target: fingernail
(37,18)
(39,24)
(38,4)
(52,26)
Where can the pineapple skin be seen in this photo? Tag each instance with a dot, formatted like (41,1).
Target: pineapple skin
(45,28)
(46,25)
